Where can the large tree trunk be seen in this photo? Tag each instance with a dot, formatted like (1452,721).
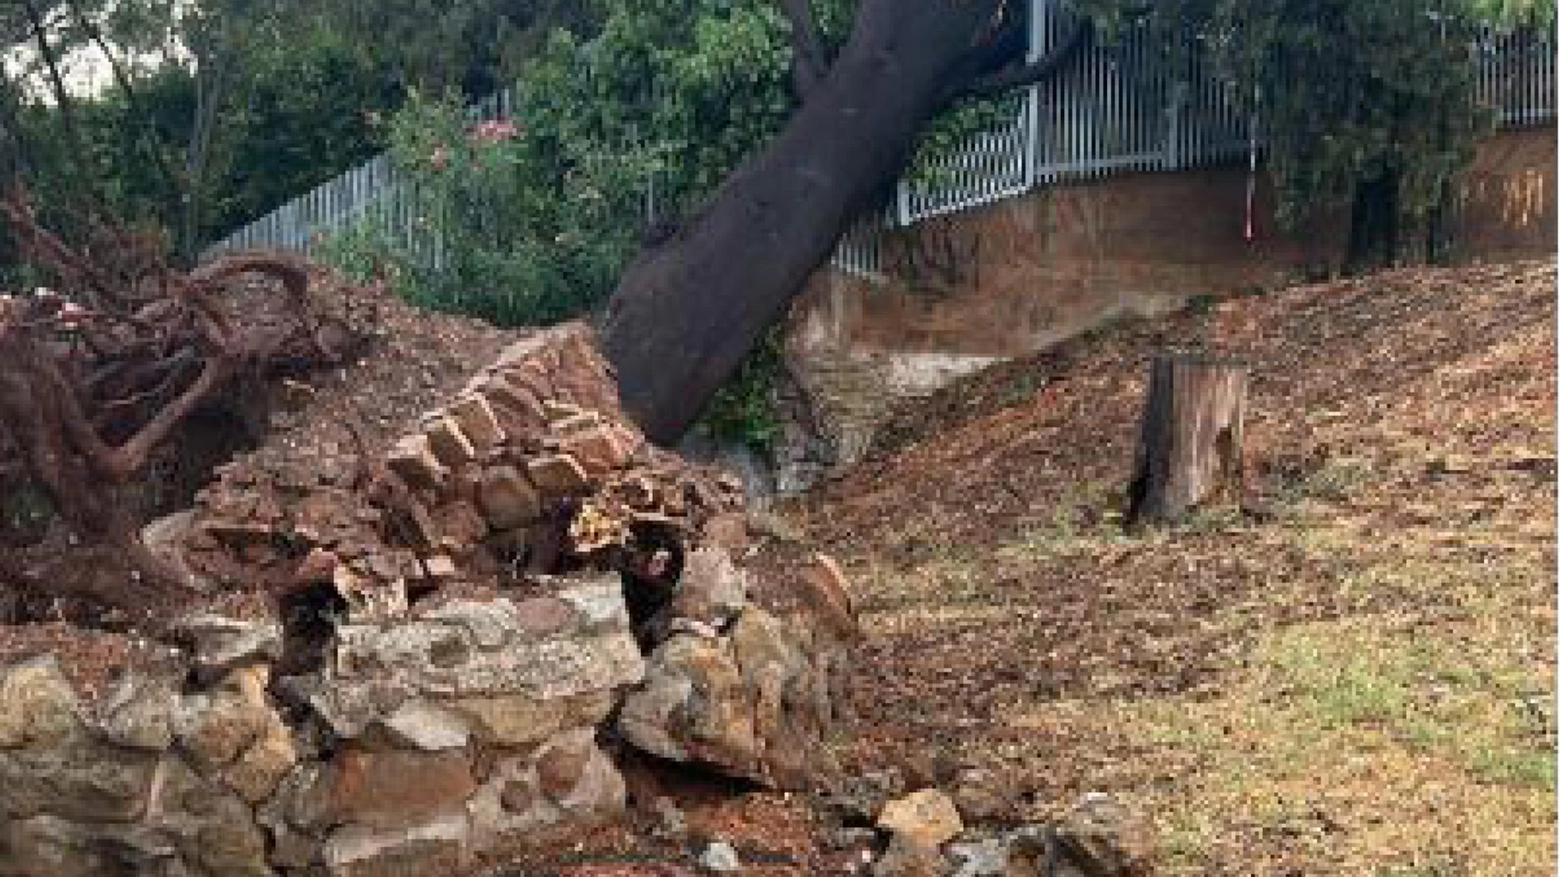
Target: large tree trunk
(1190,448)
(686,312)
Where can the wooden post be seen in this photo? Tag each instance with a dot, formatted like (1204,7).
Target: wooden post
(1189,450)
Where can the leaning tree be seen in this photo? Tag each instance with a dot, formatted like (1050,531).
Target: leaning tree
(1365,106)
(688,309)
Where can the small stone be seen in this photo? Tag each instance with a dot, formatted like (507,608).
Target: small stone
(412,458)
(927,818)
(517,796)
(980,796)
(561,765)
(599,601)
(477,421)
(670,821)
(421,725)
(522,720)
(367,597)
(394,788)
(560,412)
(77,780)
(507,498)
(518,410)
(440,566)
(851,837)
(906,858)
(986,858)
(558,475)
(220,644)
(694,703)
(460,525)
(36,703)
(138,712)
(255,774)
(602,448)
(433,847)
(720,858)
(214,729)
(573,424)
(711,588)
(650,713)
(316,566)
(448,443)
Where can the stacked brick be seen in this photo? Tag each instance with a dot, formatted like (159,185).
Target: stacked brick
(531,469)
(462,616)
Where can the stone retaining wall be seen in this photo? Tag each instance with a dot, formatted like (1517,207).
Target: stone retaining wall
(419,743)
(462,622)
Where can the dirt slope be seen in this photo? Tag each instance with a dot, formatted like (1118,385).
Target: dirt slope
(1358,682)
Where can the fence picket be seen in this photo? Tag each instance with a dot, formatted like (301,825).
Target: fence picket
(1117,108)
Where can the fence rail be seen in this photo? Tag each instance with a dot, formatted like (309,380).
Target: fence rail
(1118,107)
(375,192)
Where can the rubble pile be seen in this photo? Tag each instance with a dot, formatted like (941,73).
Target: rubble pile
(457,635)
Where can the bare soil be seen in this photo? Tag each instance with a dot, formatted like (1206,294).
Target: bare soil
(312,424)
(1355,677)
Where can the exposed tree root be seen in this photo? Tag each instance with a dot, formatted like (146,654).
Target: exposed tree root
(96,375)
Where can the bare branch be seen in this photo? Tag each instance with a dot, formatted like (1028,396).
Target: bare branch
(132,97)
(1078,36)
(51,63)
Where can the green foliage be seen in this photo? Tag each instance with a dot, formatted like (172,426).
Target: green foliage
(1359,101)
(743,409)
(633,126)
(533,220)
(287,103)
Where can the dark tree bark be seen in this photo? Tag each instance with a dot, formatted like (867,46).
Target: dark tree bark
(1374,217)
(1190,447)
(687,311)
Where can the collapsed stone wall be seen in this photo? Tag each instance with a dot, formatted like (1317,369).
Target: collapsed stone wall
(462,632)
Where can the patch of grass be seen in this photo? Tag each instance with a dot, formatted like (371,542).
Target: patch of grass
(1433,866)
(1337,480)
(1345,740)
(1337,681)
(1533,769)
(1085,521)
(1212,519)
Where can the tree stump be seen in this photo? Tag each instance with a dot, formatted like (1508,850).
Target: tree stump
(1189,449)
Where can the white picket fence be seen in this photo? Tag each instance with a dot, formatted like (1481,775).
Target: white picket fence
(375,192)
(1117,107)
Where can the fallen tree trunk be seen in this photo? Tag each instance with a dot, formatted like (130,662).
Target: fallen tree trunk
(1189,449)
(686,312)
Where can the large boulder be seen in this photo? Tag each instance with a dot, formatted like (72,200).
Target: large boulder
(735,687)
(514,673)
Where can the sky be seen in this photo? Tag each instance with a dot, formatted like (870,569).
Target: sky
(85,70)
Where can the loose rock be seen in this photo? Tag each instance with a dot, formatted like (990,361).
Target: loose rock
(926,818)
(720,858)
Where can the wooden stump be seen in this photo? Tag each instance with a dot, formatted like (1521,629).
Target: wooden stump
(1189,449)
